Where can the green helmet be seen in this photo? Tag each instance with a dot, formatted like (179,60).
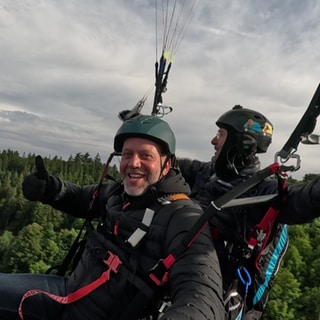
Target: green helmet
(246,121)
(148,127)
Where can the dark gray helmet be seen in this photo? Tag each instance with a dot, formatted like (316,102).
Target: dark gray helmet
(148,127)
(246,121)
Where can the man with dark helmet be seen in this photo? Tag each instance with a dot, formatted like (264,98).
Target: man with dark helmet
(242,134)
(246,133)
(140,220)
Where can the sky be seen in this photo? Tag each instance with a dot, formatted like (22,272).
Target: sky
(69,67)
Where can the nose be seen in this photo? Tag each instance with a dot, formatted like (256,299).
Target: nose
(214,140)
(134,161)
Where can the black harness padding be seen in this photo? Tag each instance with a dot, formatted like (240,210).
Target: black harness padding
(159,273)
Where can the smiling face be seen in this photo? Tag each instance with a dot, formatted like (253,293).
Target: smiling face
(141,164)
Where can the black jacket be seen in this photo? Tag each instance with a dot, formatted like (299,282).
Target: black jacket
(194,285)
(302,205)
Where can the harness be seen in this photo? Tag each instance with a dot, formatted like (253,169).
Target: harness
(114,264)
(260,234)
(258,259)
(253,246)
(159,273)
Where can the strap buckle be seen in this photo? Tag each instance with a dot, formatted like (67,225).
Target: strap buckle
(113,262)
(159,273)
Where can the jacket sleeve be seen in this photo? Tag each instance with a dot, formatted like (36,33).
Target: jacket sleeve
(195,282)
(189,169)
(73,199)
(303,203)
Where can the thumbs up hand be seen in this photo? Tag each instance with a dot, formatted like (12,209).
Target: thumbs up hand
(41,171)
(39,186)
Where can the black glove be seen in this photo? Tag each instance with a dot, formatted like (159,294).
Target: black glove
(40,186)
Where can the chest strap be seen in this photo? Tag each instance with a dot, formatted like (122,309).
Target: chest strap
(142,230)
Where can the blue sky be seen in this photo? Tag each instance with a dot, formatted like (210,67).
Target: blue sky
(69,67)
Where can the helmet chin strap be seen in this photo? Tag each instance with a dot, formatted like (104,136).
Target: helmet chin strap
(168,156)
(247,161)
(231,165)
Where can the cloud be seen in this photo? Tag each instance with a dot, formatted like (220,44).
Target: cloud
(69,67)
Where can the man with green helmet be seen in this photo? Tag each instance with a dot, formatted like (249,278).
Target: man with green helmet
(140,221)
(134,131)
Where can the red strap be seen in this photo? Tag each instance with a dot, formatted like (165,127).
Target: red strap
(113,262)
(160,272)
(261,232)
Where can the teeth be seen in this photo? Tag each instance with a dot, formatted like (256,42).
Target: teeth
(135,175)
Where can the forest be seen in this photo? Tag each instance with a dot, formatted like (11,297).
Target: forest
(35,237)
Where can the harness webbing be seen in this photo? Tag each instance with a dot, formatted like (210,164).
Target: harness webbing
(261,232)
(113,262)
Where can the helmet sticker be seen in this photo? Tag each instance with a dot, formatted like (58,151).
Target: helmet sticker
(252,125)
(267,129)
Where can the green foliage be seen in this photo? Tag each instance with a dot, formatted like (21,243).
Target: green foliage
(284,293)
(295,293)
(33,236)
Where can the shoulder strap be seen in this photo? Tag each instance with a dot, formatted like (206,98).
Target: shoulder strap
(159,273)
(261,232)
(143,228)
